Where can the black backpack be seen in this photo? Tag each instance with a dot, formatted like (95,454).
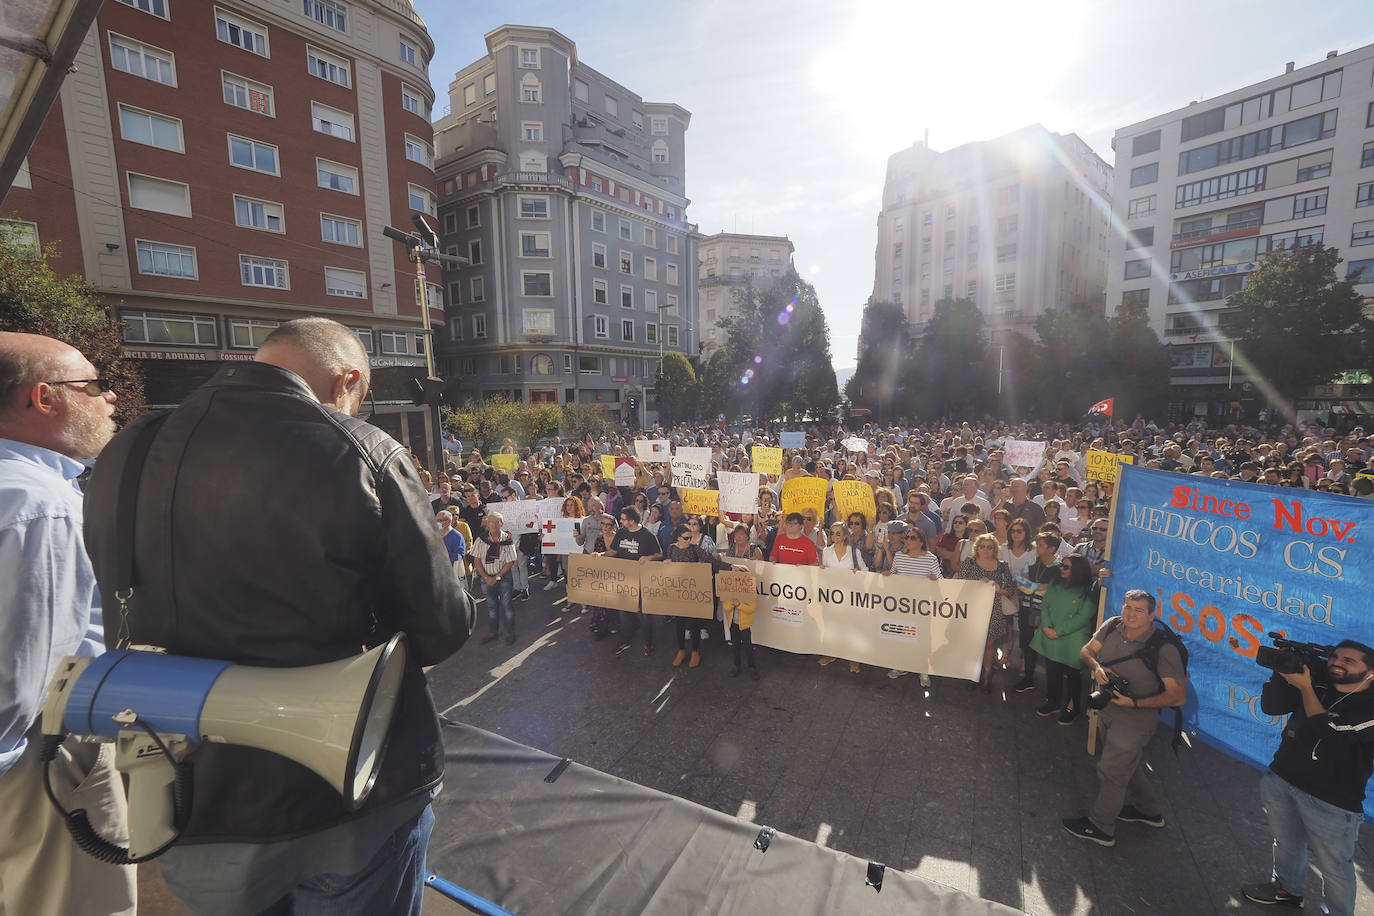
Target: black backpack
(1149,654)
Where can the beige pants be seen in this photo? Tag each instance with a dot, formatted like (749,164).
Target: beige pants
(42,871)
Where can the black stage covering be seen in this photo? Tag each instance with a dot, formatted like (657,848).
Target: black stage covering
(541,836)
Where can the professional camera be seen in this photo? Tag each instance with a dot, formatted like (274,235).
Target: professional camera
(1102,694)
(1288,657)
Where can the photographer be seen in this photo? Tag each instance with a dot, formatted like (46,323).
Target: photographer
(1314,790)
(1128,722)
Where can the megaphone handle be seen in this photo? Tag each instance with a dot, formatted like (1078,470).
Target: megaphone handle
(152,811)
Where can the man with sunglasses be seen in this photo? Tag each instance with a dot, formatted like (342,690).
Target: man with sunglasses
(55,415)
(1095,551)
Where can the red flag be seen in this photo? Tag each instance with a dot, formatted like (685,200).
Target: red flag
(1103,406)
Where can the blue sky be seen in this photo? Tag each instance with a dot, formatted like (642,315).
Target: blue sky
(797,105)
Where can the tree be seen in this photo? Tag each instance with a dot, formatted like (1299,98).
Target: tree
(951,371)
(487,424)
(34,300)
(1071,362)
(1297,324)
(1135,365)
(879,381)
(581,420)
(676,389)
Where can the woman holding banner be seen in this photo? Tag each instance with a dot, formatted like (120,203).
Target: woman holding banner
(686,548)
(915,559)
(986,565)
(1067,614)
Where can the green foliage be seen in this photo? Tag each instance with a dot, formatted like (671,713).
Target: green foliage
(486,424)
(581,420)
(951,374)
(885,359)
(1298,324)
(676,388)
(34,300)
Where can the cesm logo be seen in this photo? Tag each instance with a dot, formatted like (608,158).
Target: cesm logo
(898,630)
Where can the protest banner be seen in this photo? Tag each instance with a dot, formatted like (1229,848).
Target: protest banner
(735,586)
(552,507)
(521,516)
(559,535)
(906,622)
(738,492)
(599,581)
(691,467)
(624,474)
(855,444)
(854,496)
(652,449)
(1230,562)
(699,502)
(505,462)
(792,440)
(1103,465)
(608,467)
(802,493)
(1023,453)
(677,589)
(767,460)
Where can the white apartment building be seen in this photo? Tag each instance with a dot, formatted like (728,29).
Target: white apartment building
(1017,224)
(1204,191)
(726,262)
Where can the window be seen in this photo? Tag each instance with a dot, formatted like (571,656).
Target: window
(1317,165)
(598,221)
(971,290)
(1006,224)
(650,238)
(1137,269)
(1270,139)
(1144,174)
(650,300)
(1235,184)
(529,58)
(672,335)
(626,230)
(475,251)
(1142,206)
(156,7)
(250,154)
(1309,205)
(1364,196)
(327,66)
(531,93)
(489,84)
(409,54)
(470,94)
(1367,155)
(1362,233)
(627,297)
(418,150)
(1145,143)
(336,176)
(479,327)
(927,218)
(23,235)
(658,126)
(451,226)
(414,101)
(468,366)
(163,260)
(244,93)
(672,244)
(341,230)
(258,214)
(328,13)
(534,208)
(670,274)
(532,131)
(168,328)
(477,287)
(599,292)
(579,90)
(268,272)
(589,365)
(159,195)
(331,121)
(455,329)
(598,255)
(150,129)
(1136,297)
(1005,253)
(422,199)
(651,333)
(925,245)
(626,263)
(627,330)
(612,107)
(241,33)
(351,284)
(474,217)
(535,245)
(1364,268)
(539,322)
(536,283)
(248,334)
(142,60)
(1140,238)
(394,343)
(650,269)
(601,327)
(637,120)
(1004,283)
(670,301)
(455,294)
(659,152)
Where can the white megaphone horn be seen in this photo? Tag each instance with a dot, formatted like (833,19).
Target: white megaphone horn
(333,718)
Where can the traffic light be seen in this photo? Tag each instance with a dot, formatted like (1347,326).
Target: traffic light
(633,402)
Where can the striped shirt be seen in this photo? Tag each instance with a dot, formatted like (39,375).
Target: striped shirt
(927,564)
(491,557)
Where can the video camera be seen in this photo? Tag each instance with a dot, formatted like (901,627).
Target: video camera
(1289,657)
(1102,694)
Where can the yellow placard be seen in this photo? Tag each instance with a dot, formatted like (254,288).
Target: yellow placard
(677,589)
(608,467)
(505,462)
(1105,465)
(700,502)
(802,493)
(855,496)
(767,460)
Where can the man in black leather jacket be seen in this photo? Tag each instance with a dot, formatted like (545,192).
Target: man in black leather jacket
(272,527)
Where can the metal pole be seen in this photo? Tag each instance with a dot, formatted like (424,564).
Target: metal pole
(436,454)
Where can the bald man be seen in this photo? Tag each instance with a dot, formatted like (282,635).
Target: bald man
(55,414)
(273,527)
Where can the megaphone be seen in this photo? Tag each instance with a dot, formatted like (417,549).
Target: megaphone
(333,718)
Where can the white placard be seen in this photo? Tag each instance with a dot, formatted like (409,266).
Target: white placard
(559,535)
(551,507)
(652,449)
(855,444)
(519,517)
(738,492)
(692,467)
(1023,453)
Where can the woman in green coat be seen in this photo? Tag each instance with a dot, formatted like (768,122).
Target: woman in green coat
(1067,615)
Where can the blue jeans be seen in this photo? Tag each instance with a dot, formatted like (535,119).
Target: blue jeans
(501,605)
(521,571)
(1300,823)
(391,883)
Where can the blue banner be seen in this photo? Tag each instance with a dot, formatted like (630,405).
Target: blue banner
(1231,562)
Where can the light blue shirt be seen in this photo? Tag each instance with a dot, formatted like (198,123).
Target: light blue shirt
(49,604)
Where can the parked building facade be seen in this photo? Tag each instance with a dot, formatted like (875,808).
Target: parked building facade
(728,261)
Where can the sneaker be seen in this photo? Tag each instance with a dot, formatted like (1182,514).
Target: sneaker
(679,658)
(895,673)
(1270,894)
(925,680)
(648,650)
(622,648)
(1047,709)
(1085,829)
(1023,685)
(1133,815)
(490,637)
(1068,716)
(524,594)
(550,586)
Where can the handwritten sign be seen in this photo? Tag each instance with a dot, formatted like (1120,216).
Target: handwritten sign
(801,494)
(855,444)
(767,460)
(691,467)
(559,535)
(1023,453)
(521,516)
(1106,465)
(738,492)
(677,589)
(608,467)
(700,502)
(624,474)
(854,496)
(505,462)
(732,586)
(603,582)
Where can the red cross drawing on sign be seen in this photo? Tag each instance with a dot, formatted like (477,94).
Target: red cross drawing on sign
(549,526)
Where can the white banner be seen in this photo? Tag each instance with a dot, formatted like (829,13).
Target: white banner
(855,444)
(559,535)
(738,492)
(904,622)
(1023,453)
(692,467)
(520,517)
(652,449)
(549,508)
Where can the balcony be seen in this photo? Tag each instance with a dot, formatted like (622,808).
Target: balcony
(468,137)
(1237,230)
(533,179)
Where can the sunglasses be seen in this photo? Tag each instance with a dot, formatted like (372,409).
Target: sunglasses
(92,386)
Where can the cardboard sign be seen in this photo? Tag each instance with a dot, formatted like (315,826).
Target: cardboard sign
(738,492)
(559,535)
(677,589)
(792,440)
(802,493)
(652,449)
(732,586)
(603,582)
(767,460)
(854,496)
(1023,453)
(624,474)
(700,502)
(504,462)
(691,467)
(1106,465)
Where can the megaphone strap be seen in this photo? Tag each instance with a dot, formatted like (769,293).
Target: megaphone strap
(126,512)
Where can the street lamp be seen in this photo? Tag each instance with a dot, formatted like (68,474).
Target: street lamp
(658,387)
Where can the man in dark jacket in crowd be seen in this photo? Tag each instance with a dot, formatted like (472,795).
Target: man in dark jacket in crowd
(318,541)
